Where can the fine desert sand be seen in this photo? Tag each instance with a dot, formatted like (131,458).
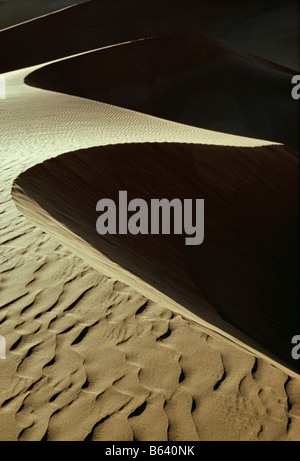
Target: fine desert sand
(141,338)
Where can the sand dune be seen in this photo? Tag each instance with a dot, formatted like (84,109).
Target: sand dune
(191,79)
(266,30)
(161,366)
(16,11)
(89,347)
(245,272)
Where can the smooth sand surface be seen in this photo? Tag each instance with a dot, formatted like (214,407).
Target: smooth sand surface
(85,347)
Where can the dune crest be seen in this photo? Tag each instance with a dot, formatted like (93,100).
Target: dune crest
(243,278)
(14,12)
(206,356)
(191,79)
(252,25)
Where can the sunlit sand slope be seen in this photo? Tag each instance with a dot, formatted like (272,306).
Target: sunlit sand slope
(17,11)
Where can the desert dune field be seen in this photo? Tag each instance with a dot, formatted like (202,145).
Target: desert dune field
(142,337)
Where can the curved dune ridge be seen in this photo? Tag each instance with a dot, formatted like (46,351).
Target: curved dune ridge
(16,12)
(245,272)
(266,30)
(96,335)
(190,79)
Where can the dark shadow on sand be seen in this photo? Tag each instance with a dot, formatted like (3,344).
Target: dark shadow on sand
(247,267)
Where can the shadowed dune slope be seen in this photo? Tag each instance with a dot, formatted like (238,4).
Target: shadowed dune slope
(85,347)
(191,79)
(265,28)
(243,278)
(16,11)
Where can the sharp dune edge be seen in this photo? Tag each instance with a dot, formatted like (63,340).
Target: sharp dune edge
(17,12)
(244,225)
(268,31)
(83,345)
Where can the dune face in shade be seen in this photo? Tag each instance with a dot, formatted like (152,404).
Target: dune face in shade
(17,11)
(190,79)
(245,273)
(141,336)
